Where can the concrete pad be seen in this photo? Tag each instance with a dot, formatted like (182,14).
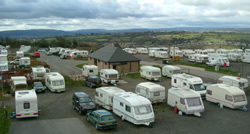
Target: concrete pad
(55,126)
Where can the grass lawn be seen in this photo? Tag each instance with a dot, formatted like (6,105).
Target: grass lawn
(134,75)
(80,65)
(5,120)
(71,83)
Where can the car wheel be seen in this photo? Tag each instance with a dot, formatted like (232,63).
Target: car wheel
(96,126)
(73,105)
(91,85)
(80,111)
(87,118)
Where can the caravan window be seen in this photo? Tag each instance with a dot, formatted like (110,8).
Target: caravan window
(229,98)
(128,108)
(184,84)
(138,89)
(101,94)
(241,84)
(176,72)
(193,101)
(113,76)
(58,83)
(174,80)
(91,71)
(121,104)
(26,105)
(182,101)
(209,92)
(239,98)
(96,94)
(143,110)
(156,73)
(156,93)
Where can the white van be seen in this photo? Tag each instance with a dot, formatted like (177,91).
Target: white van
(19,54)
(133,108)
(186,81)
(226,95)
(55,82)
(186,101)
(24,62)
(154,92)
(241,83)
(161,54)
(150,73)
(89,70)
(4,66)
(79,54)
(18,83)
(109,76)
(26,104)
(104,96)
(38,73)
(169,70)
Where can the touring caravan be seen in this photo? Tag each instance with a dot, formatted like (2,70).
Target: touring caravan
(19,54)
(227,96)
(161,54)
(104,96)
(247,52)
(62,51)
(234,56)
(3,57)
(4,66)
(188,52)
(209,51)
(26,104)
(4,52)
(186,81)
(197,51)
(215,59)
(176,53)
(130,50)
(185,101)
(150,73)
(169,70)
(222,52)
(142,50)
(89,70)
(151,53)
(154,92)
(24,62)
(238,51)
(109,76)
(55,82)
(79,54)
(200,58)
(241,83)
(192,57)
(18,83)
(246,58)
(38,73)
(133,108)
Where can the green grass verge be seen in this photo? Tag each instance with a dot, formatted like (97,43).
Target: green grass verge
(72,83)
(210,68)
(157,66)
(80,65)
(134,75)
(5,120)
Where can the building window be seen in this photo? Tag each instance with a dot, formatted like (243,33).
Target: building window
(128,109)
(121,104)
(209,92)
(26,105)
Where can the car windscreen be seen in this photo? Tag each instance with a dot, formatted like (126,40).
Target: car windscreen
(199,87)
(193,101)
(239,98)
(85,99)
(107,118)
(38,84)
(143,110)
(97,80)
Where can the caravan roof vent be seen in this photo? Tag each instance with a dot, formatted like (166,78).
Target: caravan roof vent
(23,93)
(126,96)
(54,74)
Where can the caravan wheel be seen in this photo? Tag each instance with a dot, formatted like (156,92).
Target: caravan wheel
(122,117)
(80,111)
(150,125)
(96,126)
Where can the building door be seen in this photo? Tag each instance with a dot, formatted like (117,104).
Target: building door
(114,67)
(95,61)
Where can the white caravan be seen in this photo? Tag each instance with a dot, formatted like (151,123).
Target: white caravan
(18,83)
(197,51)
(38,73)
(133,108)
(234,56)
(55,82)
(247,51)
(4,51)
(130,50)
(3,57)
(53,50)
(209,51)
(79,54)
(188,52)
(246,58)
(203,52)
(151,53)
(215,59)
(192,57)
(185,101)
(161,54)
(104,96)
(150,73)
(226,95)
(238,51)
(24,62)
(89,70)
(176,53)
(186,81)
(222,52)
(4,66)
(26,104)
(19,54)
(200,58)
(169,70)
(69,51)
(154,92)
(241,83)
(142,50)
(62,51)
(109,76)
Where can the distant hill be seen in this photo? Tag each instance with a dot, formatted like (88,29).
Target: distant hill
(38,33)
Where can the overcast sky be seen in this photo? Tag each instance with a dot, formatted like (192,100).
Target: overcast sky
(122,14)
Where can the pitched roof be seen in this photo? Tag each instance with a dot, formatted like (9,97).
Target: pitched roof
(112,54)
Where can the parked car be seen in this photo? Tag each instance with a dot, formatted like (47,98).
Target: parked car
(48,53)
(15,62)
(38,87)
(63,56)
(82,102)
(102,119)
(93,81)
